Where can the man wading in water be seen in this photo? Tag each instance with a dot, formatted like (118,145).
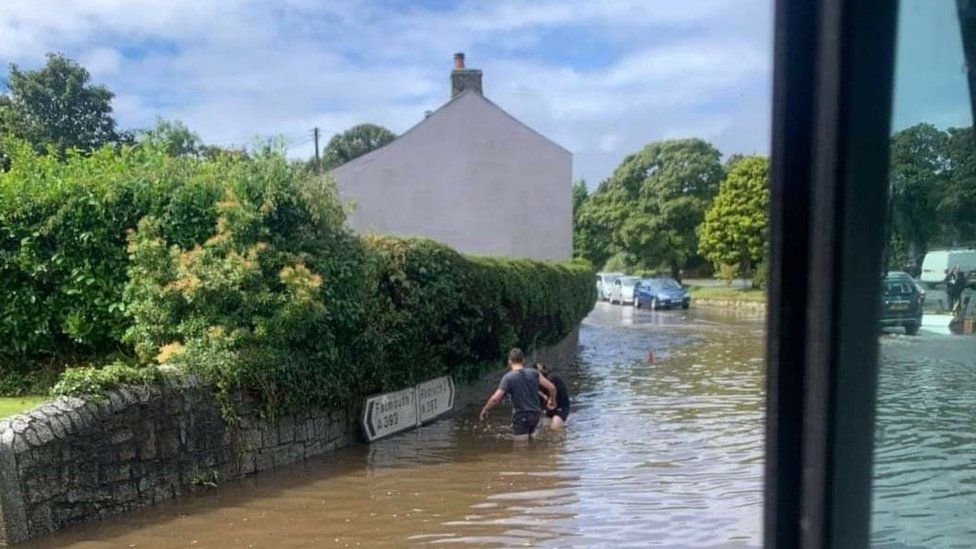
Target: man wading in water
(522,385)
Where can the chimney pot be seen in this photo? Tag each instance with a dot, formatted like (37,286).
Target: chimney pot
(463,78)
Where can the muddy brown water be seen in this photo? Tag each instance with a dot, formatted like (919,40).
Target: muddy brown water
(667,453)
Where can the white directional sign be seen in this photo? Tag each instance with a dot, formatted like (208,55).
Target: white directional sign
(435,398)
(390,413)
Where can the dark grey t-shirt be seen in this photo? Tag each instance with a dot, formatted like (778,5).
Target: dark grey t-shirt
(523,388)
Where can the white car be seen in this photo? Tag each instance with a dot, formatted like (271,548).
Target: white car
(604,283)
(938,263)
(622,290)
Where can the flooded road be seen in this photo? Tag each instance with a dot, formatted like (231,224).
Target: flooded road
(663,453)
(925,442)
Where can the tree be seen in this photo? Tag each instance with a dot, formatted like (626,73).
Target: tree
(958,201)
(593,227)
(733,235)
(659,196)
(579,195)
(58,106)
(174,137)
(917,174)
(353,143)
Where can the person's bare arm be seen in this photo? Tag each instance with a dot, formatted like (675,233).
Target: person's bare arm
(493,401)
(551,389)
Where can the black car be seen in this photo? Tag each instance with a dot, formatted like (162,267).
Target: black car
(901,303)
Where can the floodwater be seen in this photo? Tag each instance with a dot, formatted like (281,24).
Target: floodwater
(658,453)
(925,442)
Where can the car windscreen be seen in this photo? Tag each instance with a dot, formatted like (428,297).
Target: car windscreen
(667,284)
(897,287)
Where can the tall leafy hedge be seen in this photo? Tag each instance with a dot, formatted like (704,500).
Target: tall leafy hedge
(242,271)
(445,313)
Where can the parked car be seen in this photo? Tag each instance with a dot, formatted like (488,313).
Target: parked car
(938,263)
(604,283)
(901,303)
(622,289)
(661,293)
(901,275)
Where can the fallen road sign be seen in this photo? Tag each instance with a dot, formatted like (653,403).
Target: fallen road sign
(390,413)
(435,398)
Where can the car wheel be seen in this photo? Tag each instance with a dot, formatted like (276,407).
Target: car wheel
(636,302)
(654,304)
(685,305)
(911,328)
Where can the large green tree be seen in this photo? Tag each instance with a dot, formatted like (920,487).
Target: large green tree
(918,172)
(57,106)
(958,200)
(579,195)
(733,234)
(353,143)
(660,195)
(593,227)
(172,136)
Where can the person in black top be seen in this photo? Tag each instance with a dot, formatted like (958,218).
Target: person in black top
(560,413)
(959,288)
(955,285)
(522,385)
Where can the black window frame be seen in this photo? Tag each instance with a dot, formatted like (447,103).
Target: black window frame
(833,69)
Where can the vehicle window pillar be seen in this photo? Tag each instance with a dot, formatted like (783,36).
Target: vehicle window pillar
(833,64)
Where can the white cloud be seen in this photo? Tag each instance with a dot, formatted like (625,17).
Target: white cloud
(233,69)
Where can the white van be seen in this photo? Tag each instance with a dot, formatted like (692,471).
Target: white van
(604,281)
(938,263)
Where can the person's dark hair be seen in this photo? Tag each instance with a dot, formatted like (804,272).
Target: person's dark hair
(516,356)
(543,369)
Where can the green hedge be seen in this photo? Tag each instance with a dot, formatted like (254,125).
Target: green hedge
(445,313)
(242,271)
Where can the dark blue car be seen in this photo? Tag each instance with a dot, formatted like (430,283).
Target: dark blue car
(660,293)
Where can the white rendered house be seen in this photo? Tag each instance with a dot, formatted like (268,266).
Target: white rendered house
(469,175)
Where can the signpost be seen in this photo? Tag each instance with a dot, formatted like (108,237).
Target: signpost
(435,398)
(391,413)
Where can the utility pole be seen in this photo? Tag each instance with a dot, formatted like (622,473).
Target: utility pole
(315,132)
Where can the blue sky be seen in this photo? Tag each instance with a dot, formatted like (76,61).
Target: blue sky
(602,78)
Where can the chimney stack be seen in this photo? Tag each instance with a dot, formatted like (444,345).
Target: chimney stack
(464,79)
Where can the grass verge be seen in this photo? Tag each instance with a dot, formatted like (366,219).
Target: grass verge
(12,405)
(725,292)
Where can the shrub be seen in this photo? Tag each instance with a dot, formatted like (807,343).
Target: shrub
(728,272)
(759,275)
(279,299)
(89,380)
(62,242)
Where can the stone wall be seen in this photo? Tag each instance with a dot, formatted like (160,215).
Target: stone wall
(742,305)
(74,460)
